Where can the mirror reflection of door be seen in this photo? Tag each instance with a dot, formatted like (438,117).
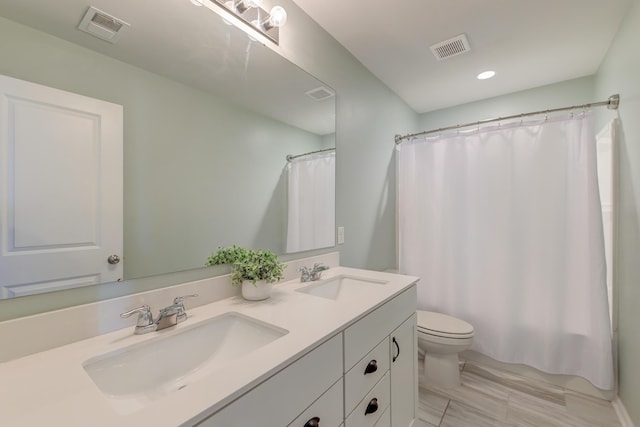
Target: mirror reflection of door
(60,189)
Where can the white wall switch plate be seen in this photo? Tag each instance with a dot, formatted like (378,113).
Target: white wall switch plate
(340,235)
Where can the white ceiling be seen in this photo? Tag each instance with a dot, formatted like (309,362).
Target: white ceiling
(528,43)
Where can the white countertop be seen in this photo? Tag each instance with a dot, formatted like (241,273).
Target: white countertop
(52,387)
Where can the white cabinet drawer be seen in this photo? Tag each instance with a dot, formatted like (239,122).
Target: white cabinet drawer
(379,398)
(357,383)
(366,333)
(385,418)
(278,400)
(327,410)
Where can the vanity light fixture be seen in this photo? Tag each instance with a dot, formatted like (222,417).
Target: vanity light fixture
(251,13)
(241,6)
(486,75)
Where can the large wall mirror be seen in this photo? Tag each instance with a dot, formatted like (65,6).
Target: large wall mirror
(209,118)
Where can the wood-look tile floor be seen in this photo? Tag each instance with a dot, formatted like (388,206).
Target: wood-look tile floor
(492,397)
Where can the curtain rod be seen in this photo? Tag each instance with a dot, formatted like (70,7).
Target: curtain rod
(612,104)
(291,157)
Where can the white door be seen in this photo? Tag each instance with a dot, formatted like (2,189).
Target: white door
(61,184)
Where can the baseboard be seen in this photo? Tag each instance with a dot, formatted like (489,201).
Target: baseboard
(621,412)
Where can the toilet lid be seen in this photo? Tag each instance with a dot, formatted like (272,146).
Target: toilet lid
(441,324)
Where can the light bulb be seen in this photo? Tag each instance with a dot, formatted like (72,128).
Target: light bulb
(277,18)
(197,2)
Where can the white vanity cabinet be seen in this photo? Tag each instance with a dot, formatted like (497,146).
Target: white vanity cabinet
(314,381)
(364,376)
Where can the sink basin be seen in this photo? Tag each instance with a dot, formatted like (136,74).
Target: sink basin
(339,287)
(139,374)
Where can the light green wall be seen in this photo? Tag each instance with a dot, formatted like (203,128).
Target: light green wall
(620,73)
(571,92)
(329,140)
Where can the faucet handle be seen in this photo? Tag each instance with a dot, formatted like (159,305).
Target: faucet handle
(145,319)
(180,299)
(318,268)
(305,273)
(179,302)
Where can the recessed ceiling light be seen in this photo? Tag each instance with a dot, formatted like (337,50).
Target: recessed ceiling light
(486,75)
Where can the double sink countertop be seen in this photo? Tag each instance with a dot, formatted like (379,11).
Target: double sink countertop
(53,386)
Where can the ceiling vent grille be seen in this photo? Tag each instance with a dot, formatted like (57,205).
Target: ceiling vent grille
(319,94)
(452,47)
(102,25)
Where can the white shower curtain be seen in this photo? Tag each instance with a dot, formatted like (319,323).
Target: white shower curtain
(605,146)
(311,202)
(503,225)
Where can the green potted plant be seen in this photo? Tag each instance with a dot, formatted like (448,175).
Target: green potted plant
(257,270)
(227,255)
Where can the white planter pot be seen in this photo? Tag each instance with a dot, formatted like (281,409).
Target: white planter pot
(256,292)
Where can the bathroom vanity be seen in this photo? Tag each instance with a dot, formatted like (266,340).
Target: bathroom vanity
(340,351)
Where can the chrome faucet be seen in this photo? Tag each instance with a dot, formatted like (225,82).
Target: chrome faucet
(173,314)
(168,316)
(145,319)
(311,274)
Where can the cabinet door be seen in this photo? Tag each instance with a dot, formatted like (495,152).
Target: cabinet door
(404,373)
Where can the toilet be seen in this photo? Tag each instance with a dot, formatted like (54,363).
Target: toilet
(441,338)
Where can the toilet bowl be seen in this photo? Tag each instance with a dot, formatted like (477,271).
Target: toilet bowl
(441,338)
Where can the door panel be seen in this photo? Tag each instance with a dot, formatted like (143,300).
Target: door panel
(61,189)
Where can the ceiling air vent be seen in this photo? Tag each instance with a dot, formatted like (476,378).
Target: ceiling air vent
(319,94)
(452,47)
(102,25)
